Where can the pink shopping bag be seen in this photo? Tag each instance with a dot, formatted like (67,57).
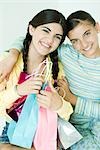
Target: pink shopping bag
(46,133)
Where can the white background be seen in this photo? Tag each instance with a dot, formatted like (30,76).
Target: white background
(15,14)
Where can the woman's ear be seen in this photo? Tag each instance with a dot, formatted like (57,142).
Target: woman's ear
(31,29)
(98,27)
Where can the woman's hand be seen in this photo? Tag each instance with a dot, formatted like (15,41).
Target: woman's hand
(49,98)
(63,87)
(65,91)
(31,85)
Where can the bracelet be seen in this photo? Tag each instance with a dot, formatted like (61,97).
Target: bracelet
(15,88)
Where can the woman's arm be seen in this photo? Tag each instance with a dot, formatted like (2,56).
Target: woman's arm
(8,63)
(65,91)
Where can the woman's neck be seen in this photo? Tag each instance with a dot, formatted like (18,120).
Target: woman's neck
(33,61)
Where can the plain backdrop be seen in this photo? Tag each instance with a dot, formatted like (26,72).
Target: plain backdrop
(15,15)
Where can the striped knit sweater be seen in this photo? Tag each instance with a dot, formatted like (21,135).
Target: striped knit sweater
(83,75)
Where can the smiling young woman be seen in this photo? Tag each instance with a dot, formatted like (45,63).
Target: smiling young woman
(45,32)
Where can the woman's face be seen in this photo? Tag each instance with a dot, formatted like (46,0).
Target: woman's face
(46,38)
(84,39)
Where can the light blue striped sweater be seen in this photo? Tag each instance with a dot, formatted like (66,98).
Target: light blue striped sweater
(83,73)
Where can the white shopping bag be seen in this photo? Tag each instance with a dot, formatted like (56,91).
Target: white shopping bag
(68,134)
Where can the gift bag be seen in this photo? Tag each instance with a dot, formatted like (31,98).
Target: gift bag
(68,135)
(22,132)
(46,133)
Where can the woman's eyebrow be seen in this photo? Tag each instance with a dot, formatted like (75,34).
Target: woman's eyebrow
(50,30)
(86,31)
(46,28)
(73,40)
(59,35)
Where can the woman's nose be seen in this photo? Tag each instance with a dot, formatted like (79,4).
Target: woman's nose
(51,40)
(84,44)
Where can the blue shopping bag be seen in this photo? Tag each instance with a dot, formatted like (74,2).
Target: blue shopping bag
(21,133)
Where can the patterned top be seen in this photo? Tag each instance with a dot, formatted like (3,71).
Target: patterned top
(82,73)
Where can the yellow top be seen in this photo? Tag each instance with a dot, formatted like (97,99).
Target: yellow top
(8,95)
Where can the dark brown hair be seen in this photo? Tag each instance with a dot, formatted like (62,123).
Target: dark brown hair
(44,17)
(76,17)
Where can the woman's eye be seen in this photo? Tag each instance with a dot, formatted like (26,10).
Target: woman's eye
(45,30)
(58,37)
(87,33)
(74,42)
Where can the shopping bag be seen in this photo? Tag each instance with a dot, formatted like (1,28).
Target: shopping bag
(68,134)
(46,133)
(24,130)
(21,133)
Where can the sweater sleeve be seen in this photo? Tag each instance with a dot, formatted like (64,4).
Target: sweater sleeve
(65,111)
(17,44)
(8,95)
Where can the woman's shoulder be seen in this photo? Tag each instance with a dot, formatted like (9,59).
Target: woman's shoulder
(65,49)
(3,55)
(65,46)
